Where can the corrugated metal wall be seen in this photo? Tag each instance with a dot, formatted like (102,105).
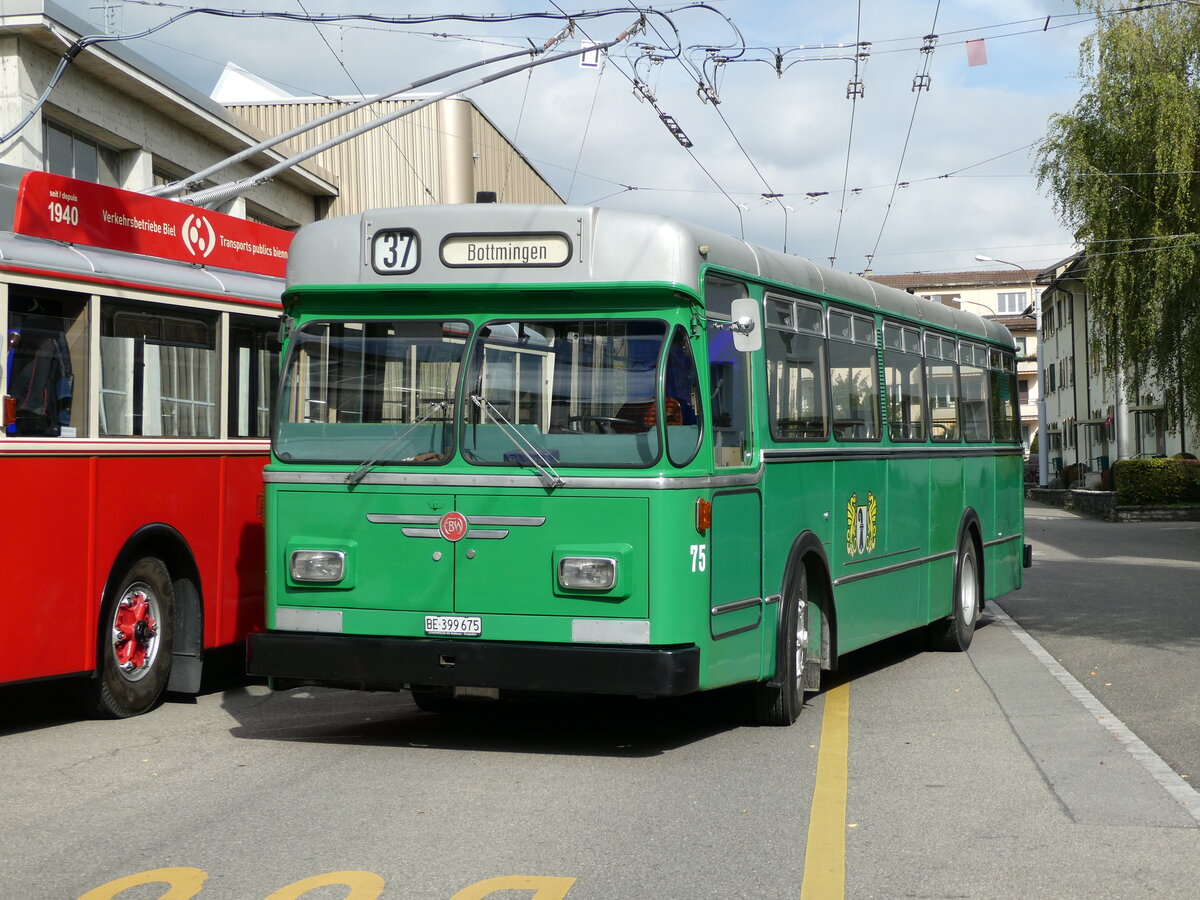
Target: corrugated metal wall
(410,161)
(500,167)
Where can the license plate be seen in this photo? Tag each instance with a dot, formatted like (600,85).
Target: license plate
(454,626)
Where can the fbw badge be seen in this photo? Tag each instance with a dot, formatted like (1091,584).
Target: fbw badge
(861,526)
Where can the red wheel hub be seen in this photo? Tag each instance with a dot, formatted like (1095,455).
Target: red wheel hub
(133,630)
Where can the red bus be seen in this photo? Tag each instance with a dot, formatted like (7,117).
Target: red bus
(143,340)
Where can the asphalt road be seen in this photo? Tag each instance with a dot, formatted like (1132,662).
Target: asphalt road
(989,774)
(1118,604)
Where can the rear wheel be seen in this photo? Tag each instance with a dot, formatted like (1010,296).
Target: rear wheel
(955,632)
(780,703)
(136,624)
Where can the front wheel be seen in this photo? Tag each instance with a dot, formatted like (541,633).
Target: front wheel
(434,700)
(780,703)
(136,624)
(955,632)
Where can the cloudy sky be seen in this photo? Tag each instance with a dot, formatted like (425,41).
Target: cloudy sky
(899,180)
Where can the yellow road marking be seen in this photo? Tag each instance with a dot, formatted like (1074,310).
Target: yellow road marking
(544,887)
(825,855)
(363,885)
(183,883)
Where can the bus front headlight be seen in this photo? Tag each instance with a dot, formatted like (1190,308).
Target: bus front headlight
(319,566)
(587,573)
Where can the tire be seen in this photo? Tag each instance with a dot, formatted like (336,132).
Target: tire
(136,642)
(780,704)
(955,632)
(434,700)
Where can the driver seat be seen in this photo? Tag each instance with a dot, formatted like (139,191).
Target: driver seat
(643,413)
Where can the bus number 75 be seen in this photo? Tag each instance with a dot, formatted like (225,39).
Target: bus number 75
(699,557)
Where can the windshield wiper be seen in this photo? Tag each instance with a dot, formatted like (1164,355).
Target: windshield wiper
(358,474)
(535,456)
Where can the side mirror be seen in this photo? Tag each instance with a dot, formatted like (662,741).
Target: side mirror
(746,325)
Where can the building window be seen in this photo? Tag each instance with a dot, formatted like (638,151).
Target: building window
(1010,303)
(1023,390)
(1050,379)
(76,156)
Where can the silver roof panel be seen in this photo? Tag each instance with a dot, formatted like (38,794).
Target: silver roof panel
(608,245)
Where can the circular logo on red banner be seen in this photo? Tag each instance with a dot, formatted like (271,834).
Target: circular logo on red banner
(453,526)
(198,236)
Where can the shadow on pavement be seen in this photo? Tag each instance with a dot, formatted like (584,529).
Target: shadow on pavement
(43,704)
(46,704)
(571,725)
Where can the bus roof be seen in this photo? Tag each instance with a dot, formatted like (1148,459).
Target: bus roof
(38,254)
(96,264)
(601,246)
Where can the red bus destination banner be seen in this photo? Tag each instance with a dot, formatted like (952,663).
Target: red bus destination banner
(80,212)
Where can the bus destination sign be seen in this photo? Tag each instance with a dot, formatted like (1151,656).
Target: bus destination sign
(516,250)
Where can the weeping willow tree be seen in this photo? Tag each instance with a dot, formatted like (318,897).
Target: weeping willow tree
(1122,169)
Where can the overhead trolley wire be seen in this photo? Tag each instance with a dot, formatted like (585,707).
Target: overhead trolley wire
(586,127)
(516,135)
(920,85)
(855,91)
(223,192)
(708,94)
(78,45)
(386,130)
(634,82)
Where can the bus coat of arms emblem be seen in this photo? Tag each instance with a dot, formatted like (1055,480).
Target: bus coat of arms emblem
(861,527)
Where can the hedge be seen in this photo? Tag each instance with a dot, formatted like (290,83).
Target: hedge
(1146,482)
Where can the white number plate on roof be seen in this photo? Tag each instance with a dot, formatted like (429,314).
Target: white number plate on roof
(396,251)
(454,626)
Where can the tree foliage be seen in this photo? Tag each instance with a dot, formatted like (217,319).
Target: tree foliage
(1122,169)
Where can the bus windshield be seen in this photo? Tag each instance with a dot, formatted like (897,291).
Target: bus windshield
(571,393)
(357,391)
(580,392)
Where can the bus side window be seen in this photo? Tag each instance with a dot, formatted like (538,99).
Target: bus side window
(158,371)
(975,400)
(45,366)
(905,384)
(253,375)
(853,380)
(1005,407)
(797,369)
(728,376)
(941,380)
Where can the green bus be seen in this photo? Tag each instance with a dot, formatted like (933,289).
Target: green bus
(580,450)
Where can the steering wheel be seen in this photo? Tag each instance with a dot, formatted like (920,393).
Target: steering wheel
(602,424)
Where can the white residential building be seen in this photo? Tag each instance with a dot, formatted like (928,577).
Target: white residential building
(1094,415)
